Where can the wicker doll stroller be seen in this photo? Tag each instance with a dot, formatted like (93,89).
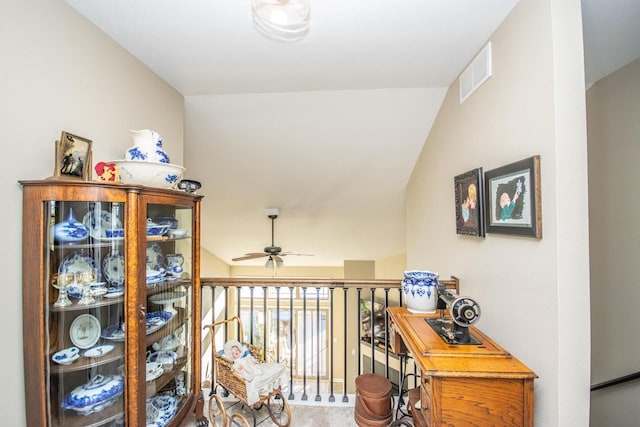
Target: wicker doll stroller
(226,377)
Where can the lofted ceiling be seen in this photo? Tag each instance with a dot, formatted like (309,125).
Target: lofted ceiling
(270,124)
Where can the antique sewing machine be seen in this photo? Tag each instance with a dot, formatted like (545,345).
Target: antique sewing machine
(464,312)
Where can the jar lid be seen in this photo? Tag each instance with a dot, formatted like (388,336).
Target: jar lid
(373,385)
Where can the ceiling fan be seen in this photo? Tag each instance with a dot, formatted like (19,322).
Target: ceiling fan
(274,253)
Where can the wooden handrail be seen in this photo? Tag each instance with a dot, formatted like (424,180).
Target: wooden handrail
(303,282)
(616,381)
(297,282)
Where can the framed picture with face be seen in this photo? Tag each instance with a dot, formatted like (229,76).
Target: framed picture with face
(514,200)
(469,196)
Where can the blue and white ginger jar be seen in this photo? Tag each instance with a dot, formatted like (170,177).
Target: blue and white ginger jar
(419,291)
(147,147)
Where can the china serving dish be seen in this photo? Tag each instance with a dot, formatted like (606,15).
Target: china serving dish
(154,370)
(114,292)
(113,269)
(98,351)
(66,356)
(154,229)
(164,357)
(150,174)
(100,392)
(170,221)
(171,342)
(70,230)
(97,289)
(155,321)
(99,221)
(155,276)
(84,331)
(177,233)
(160,410)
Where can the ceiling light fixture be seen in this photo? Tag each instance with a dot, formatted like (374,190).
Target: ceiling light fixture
(281,20)
(269,263)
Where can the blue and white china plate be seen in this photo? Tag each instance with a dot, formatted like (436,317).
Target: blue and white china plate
(100,392)
(85,331)
(70,231)
(155,321)
(66,356)
(155,257)
(101,221)
(160,410)
(113,269)
(76,262)
(99,350)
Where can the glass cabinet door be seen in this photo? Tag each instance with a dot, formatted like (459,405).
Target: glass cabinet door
(84,312)
(168,299)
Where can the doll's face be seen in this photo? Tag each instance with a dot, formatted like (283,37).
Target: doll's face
(235,352)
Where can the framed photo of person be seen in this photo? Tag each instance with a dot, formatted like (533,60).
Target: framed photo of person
(513,199)
(469,195)
(73,157)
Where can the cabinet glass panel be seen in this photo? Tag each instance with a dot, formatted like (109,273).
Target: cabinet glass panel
(84,313)
(169,298)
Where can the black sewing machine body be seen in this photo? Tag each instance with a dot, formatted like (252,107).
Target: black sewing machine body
(464,312)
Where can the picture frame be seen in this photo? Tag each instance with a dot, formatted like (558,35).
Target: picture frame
(73,157)
(513,199)
(469,198)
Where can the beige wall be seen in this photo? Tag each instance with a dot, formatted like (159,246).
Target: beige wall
(59,72)
(613,110)
(533,104)
(391,268)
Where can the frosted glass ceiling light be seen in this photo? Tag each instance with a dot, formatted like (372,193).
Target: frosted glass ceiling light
(282,20)
(269,263)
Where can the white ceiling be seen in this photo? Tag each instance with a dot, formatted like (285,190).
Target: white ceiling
(338,181)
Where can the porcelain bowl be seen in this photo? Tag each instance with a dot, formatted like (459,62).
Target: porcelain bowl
(178,232)
(150,174)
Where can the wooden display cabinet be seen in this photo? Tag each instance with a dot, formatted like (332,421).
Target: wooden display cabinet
(85,239)
(471,385)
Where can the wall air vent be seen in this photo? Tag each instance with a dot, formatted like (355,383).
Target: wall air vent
(478,71)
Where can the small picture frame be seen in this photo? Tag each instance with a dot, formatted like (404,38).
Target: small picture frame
(73,157)
(469,195)
(513,199)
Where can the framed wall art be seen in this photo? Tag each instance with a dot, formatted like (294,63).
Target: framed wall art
(73,157)
(469,197)
(513,199)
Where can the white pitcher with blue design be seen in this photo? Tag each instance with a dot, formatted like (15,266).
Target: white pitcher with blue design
(147,147)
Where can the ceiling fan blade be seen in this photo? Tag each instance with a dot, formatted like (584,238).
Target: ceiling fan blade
(292,254)
(277,258)
(252,255)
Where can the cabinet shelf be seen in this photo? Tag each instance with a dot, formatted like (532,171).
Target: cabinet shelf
(84,363)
